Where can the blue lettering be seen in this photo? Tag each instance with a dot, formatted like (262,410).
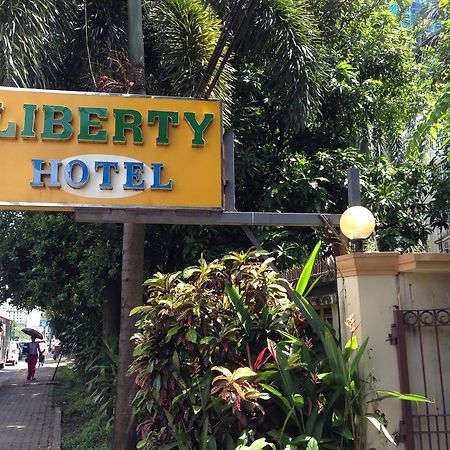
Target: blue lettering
(134,175)
(68,174)
(157,169)
(107,166)
(38,173)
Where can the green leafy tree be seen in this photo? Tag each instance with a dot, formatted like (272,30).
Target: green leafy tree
(67,269)
(433,42)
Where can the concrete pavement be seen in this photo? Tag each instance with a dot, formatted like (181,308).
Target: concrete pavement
(27,418)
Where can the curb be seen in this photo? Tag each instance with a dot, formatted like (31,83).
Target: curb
(56,438)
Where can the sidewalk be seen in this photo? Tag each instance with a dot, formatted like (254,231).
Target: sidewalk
(27,419)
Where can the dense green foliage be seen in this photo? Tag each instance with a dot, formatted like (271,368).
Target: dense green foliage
(311,88)
(49,261)
(433,33)
(223,358)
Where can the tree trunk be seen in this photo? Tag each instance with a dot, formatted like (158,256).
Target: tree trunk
(124,433)
(111,311)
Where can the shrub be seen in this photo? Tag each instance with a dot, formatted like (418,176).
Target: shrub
(224,360)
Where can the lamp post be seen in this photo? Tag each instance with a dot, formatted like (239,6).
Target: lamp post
(357,223)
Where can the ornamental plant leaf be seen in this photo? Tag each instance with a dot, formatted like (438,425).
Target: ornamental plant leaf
(375,421)
(307,270)
(277,394)
(138,309)
(400,396)
(352,343)
(359,354)
(312,444)
(243,373)
(191,335)
(244,316)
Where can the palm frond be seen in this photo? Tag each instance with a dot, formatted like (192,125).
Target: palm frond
(184,34)
(280,37)
(28,32)
(284,34)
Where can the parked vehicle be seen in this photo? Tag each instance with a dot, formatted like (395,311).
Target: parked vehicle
(13,353)
(23,349)
(5,337)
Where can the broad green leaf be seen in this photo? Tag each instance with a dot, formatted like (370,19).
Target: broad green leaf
(172,331)
(229,443)
(345,432)
(311,287)
(191,335)
(260,444)
(286,375)
(311,422)
(288,336)
(243,372)
(138,309)
(326,377)
(312,444)
(312,314)
(334,356)
(298,400)
(277,393)
(205,433)
(244,316)
(267,374)
(300,439)
(355,362)
(352,343)
(176,362)
(140,349)
(156,386)
(307,270)
(211,443)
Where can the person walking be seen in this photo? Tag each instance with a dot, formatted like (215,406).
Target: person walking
(33,352)
(43,352)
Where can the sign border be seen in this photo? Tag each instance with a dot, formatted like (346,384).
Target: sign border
(70,207)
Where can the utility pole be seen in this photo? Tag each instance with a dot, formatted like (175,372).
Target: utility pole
(124,430)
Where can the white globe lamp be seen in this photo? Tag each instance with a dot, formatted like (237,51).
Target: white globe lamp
(357,222)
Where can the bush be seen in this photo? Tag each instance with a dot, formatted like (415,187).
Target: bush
(223,358)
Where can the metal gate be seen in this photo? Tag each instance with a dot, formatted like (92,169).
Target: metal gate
(423,351)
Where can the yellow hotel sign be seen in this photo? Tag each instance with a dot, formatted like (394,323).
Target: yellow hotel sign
(68,149)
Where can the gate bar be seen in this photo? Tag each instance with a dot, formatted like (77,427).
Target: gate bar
(406,426)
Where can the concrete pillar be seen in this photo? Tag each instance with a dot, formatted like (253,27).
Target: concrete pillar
(367,288)
(371,286)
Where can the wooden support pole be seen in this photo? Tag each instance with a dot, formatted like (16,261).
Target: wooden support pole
(124,431)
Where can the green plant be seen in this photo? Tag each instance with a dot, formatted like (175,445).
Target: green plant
(82,425)
(101,376)
(223,359)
